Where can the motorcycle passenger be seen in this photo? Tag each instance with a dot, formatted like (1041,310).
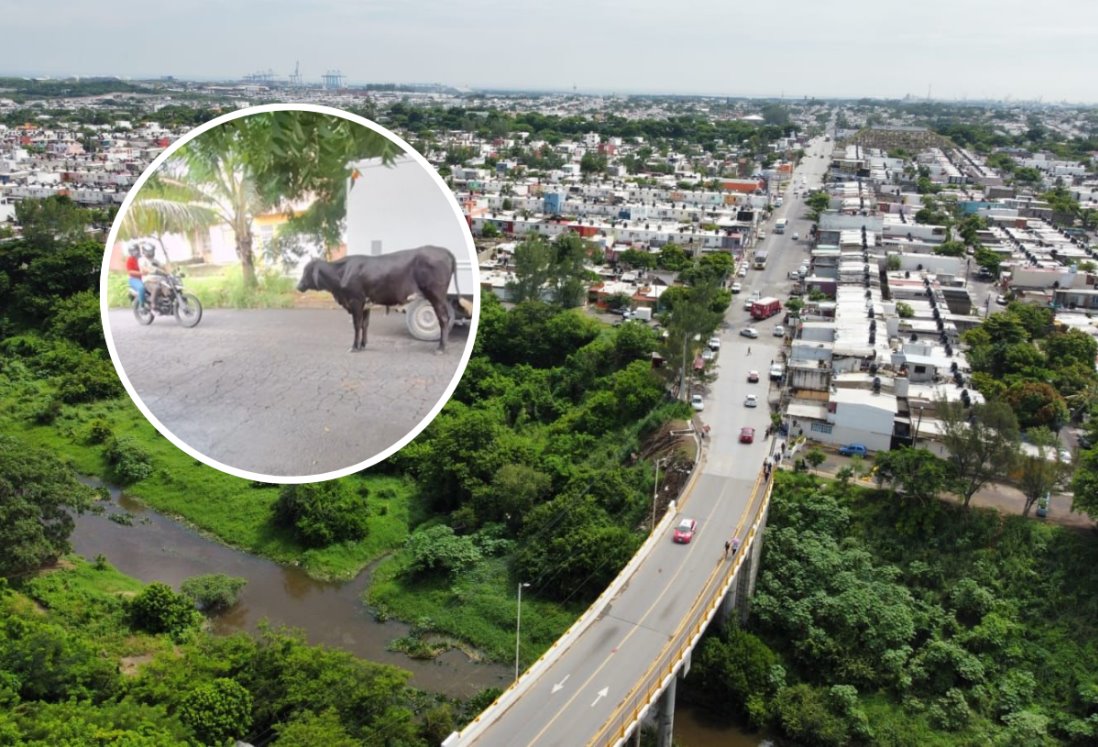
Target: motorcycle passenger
(151,273)
(133,269)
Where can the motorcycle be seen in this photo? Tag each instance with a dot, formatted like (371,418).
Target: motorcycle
(172,300)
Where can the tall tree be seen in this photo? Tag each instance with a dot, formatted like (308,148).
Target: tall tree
(1041,469)
(215,164)
(36,491)
(982,441)
(916,473)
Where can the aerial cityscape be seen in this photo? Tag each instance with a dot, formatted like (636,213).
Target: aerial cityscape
(780,424)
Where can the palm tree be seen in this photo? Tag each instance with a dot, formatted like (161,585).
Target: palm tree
(215,165)
(165,205)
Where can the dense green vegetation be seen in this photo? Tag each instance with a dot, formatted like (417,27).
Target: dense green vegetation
(529,475)
(80,664)
(880,621)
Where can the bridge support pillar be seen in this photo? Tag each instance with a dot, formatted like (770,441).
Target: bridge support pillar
(665,720)
(749,571)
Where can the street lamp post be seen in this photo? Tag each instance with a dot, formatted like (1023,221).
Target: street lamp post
(655,491)
(518,625)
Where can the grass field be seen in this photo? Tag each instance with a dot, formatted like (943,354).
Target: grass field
(223,289)
(478,607)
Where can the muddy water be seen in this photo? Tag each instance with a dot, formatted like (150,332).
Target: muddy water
(695,727)
(157,548)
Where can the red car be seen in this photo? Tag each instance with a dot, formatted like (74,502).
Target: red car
(752,377)
(684,532)
(747,435)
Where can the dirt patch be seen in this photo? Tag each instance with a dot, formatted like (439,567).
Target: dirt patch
(674,446)
(61,564)
(129,665)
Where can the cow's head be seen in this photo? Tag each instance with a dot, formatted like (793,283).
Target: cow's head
(309,279)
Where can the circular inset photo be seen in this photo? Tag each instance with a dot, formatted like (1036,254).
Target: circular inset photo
(290,293)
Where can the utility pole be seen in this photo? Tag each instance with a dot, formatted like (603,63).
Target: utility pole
(518,626)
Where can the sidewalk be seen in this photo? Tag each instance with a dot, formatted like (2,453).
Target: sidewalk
(1005,498)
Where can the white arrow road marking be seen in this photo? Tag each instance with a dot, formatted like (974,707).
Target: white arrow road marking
(602,694)
(560,685)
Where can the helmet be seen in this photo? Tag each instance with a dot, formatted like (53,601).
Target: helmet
(148,249)
(134,250)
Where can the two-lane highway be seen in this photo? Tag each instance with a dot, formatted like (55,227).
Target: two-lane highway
(584,685)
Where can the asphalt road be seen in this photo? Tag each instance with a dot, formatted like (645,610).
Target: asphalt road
(277,392)
(581,690)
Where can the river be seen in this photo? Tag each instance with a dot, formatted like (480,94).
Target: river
(157,548)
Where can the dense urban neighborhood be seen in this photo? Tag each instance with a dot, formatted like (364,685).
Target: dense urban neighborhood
(867,327)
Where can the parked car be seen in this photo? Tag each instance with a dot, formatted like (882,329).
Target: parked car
(696,402)
(752,377)
(736,287)
(684,532)
(714,343)
(742,272)
(751,401)
(708,354)
(747,435)
(1002,300)
(749,332)
(796,236)
(853,450)
(777,371)
(779,331)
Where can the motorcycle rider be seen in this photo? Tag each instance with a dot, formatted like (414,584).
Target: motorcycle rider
(151,272)
(133,269)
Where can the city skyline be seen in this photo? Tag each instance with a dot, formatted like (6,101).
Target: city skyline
(978,51)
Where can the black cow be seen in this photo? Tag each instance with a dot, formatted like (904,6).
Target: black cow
(387,280)
(391,279)
(327,276)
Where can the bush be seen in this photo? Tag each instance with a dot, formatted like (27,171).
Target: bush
(321,514)
(439,549)
(158,609)
(99,431)
(128,461)
(213,592)
(218,711)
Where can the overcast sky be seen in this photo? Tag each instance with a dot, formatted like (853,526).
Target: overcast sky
(955,48)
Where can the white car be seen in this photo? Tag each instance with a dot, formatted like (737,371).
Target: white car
(708,355)
(742,272)
(736,287)
(796,236)
(779,331)
(715,343)
(751,401)
(696,402)
(749,332)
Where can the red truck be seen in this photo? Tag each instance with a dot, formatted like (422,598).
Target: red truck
(765,308)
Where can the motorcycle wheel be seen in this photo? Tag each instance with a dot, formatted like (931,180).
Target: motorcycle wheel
(143,314)
(188,310)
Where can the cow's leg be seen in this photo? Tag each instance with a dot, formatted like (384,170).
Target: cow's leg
(365,324)
(356,320)
(445,320)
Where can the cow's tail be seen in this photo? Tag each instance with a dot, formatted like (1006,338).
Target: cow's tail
(466,306)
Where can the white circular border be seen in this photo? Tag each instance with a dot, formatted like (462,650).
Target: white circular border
(112,238)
